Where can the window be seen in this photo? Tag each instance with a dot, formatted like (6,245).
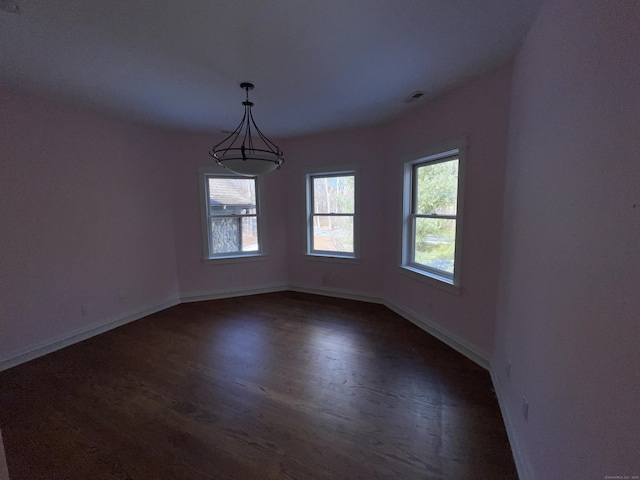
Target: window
(331,212)
(232,216)
(432,220)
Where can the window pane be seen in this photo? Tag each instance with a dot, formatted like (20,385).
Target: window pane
(232,196)
(234,235)
(225,235)
(250,234)
(334,194)
(333,234)
(435,243)
(437,188)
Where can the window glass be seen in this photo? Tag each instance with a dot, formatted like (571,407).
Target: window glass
(435,243)
(437,188)
(334,194)
(431,232)
(333,234)
(331,214)
(232,212)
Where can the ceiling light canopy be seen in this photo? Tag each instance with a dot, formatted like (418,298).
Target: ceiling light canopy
(241,153)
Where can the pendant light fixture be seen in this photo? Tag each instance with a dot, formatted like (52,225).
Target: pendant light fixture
(240,154)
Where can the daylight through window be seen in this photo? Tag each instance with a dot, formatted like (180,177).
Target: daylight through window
(432,217)
(331,214)
(232,216)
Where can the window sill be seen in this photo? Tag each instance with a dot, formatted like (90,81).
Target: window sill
(234,259)
(431,278)
(323,257)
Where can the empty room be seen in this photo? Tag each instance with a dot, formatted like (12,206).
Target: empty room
(320,240)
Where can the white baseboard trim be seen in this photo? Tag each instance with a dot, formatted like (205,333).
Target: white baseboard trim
(49,346)
(458,344)
(4,471)
(522,465)
(335,292)
(453,341)
(229,293)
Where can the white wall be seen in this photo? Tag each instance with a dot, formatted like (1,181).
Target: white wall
(569,310)
(106,214)
(358,148)
(478,109)
(188,152)
(86,226)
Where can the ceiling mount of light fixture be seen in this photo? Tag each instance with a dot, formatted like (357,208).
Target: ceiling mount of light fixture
(241,153)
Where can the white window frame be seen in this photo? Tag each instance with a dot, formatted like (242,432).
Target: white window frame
(453,149)
(326,254)
(204,173)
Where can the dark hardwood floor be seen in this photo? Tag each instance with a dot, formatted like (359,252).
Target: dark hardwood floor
(275,386)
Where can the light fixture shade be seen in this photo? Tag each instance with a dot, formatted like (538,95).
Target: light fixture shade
(252,166)
(238,153)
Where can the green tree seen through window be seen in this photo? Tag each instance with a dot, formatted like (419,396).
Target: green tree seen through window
(436,195)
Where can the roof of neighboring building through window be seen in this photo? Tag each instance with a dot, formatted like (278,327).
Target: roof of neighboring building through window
(231,192)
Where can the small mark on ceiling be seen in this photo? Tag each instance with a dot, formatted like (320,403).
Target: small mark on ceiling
(414,96)
(9,6)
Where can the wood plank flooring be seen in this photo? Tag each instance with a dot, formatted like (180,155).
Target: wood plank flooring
(275,386)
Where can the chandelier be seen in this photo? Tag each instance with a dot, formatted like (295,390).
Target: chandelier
(240,154)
